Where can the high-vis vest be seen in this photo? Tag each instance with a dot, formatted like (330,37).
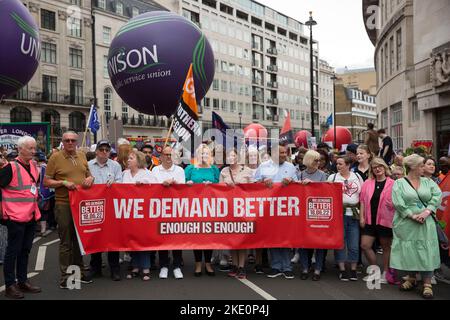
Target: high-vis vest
(18,201)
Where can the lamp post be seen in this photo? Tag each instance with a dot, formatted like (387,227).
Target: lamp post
(310,23)
(240,120)
(334,78)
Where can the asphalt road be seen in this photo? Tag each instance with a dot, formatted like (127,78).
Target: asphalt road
(44,271)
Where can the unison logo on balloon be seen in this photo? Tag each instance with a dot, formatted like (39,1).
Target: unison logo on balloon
(149,59)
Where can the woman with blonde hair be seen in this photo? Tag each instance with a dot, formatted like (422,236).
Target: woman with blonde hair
(138,174)
(203,171)
(415,246)
(364,157)
(376,215)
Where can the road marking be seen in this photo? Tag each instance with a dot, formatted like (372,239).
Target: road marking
(334,292)
(257,289)
(40,258)
(30,275)
(36,239)
(51,242)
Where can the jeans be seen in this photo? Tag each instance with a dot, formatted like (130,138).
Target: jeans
(140,259)
(164,258)
(113,261)
(20,241)
(304,258)
(280,259)
(350,252)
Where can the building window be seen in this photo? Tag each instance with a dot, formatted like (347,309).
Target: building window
(392,57)
(76,58)
(124,110)
(207,103)
(224,86)
(107,102)
(119,8)
(76,92)
(105,67)
(20,114)
(386,60)
(415,113)
(135,12)
(106,35)
(216,104)
(48,20)
(51,116)
(74,25)
(225,105)
(102,4)
(399,49)
(48,52)
(381,65)
(49,89)
(232,106)
(193,16)
(77,121)
(397,126)
(384,119)
(216,85)
(76,2)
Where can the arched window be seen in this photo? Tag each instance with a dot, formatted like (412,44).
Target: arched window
(107,102)
(77,121)
(53,117)
(20,114)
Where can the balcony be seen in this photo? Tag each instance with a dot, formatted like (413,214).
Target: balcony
(272,84)
(272,68)
(273,101)
(36,96)
(272,51)
(257,82)
(258,99)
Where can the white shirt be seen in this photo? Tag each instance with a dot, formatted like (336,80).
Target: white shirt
(351,188)
(142,176)
(175,172)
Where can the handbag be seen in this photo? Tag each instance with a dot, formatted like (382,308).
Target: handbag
(442,237)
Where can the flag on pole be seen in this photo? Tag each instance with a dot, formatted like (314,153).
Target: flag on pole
(287,136)
(94,123)
(228,133)
(185,123)
(330,120)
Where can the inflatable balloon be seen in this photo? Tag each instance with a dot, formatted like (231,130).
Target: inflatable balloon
(343,136)
(301,138)
(20,48)
(255,131)
(149,59)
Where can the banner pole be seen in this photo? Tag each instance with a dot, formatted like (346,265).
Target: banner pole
(168,133)
(87,126)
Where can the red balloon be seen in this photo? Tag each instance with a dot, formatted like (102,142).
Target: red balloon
(301,138)
(343,136)
(255,131)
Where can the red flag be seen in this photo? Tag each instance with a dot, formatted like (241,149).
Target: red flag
(443,214)
(287,136)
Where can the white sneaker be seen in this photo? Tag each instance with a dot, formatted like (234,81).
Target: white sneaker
(163,273)
(126,257)
(383,278)
(433,280)
(177,273)
(295,258)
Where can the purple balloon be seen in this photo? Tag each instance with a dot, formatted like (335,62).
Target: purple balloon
(149,59)
(20,47)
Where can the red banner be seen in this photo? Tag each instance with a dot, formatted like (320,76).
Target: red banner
(153,217)
(443,214)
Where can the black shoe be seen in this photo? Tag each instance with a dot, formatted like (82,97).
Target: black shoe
(198,274)
(316,277)
(304,275)
(353,275)
(13,292)
(226,268)
(95,274)
(275,273)
(288,275)
(210,273)
(86,279)
(115,276)
(343,276)
(259,269)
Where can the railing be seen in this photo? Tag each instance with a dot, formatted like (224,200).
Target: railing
(36,96)
(272,84)
(272,51)
(272,67)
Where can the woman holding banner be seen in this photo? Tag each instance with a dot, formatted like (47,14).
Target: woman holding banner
(234,174)
(137,174)
(311,174)
(351,186)
(377,213)
(415,247)
(203,171)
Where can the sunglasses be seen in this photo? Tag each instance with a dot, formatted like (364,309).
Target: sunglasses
(104,150)
(70,140)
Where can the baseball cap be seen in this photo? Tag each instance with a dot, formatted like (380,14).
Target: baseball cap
(103,143)
(352,148)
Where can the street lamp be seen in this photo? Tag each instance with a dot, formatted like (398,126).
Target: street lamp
(334,78)
(310,23)
(240,120)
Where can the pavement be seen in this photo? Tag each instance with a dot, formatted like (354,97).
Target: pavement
(44,271)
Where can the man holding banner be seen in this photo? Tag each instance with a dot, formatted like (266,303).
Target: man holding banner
(268,173)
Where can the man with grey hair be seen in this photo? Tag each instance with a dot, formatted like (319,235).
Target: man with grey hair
(19,189)
(65,170)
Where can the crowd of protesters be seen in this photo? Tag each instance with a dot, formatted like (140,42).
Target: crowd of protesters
(388,203)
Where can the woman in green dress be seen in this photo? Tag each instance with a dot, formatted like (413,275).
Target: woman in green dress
(415,247)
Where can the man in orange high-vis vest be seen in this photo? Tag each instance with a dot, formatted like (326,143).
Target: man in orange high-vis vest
(19,187)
